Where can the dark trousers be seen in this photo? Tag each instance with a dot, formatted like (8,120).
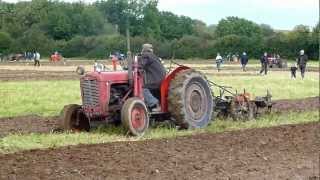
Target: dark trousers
(264,67)
(244,67)
(302,69)
(150,98)
(36,63)
(293,73)
(218,66)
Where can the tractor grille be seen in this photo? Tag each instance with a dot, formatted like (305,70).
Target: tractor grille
(90,92)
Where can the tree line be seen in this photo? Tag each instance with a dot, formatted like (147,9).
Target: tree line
(95,30)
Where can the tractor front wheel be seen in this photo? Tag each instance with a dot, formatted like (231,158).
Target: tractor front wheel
(134,116)
(73,118)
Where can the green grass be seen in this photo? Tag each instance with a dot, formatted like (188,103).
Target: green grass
(279,84)
(43,98)
(47,98)
(14,143)
(255,62)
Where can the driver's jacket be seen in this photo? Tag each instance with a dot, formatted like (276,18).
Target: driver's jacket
(154,71)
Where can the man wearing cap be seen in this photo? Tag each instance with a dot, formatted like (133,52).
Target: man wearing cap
(244,60)
(264,63)
(302,62)
(154,73)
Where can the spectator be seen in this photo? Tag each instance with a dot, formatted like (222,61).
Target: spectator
(264,63)
(219,61)
(244,60)
(302,62)
(293,70)
(36,57)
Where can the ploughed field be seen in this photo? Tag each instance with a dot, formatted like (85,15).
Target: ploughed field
(285,152)
(20,71)
(282,152)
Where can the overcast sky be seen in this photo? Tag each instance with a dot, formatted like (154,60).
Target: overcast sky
(280,14)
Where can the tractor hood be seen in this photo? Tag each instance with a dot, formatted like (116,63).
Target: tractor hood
(112,76)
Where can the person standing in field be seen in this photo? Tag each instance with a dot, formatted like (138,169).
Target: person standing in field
(219,61)
(244,60)
(36,57)
(293,70)
(264,63)
(302,62)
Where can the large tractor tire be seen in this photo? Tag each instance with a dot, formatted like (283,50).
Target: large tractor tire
(134,116)
(73,118)
(190,100)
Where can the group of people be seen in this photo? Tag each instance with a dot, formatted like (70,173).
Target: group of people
(301,63)
(35,56)
(243,60)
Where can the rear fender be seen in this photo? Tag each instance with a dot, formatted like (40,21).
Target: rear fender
(164,89)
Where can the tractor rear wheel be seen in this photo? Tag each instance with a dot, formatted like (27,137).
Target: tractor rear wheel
(190,100)
(134,116)
(73,118)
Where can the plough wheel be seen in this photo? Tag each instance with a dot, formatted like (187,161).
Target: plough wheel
(73,118)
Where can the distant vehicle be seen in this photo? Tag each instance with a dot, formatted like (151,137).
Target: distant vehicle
(15,57)
(56,57)
(276,61)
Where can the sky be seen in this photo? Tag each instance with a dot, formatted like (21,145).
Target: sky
(279,14)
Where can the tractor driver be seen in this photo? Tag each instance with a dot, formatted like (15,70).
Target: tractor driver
(154,73)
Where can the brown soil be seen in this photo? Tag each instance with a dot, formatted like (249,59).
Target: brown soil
(285,152)
(19,75)
(27,124)
(31,75)
(311,103)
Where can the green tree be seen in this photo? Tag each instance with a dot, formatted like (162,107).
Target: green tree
(5,42)
(298,39)
(174,27)
(314,49)
(237,26)
(266,30)
(151,26)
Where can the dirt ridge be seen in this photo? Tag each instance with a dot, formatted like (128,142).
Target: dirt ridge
(284,152)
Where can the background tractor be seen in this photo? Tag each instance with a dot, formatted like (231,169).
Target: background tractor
(277,62)
(117,96)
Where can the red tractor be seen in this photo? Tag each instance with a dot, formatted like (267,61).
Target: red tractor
(185,97)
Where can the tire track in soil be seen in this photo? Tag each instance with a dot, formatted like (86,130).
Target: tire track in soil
(27,124)
(284,152)
(22,75)
(28,75)
(37,124)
